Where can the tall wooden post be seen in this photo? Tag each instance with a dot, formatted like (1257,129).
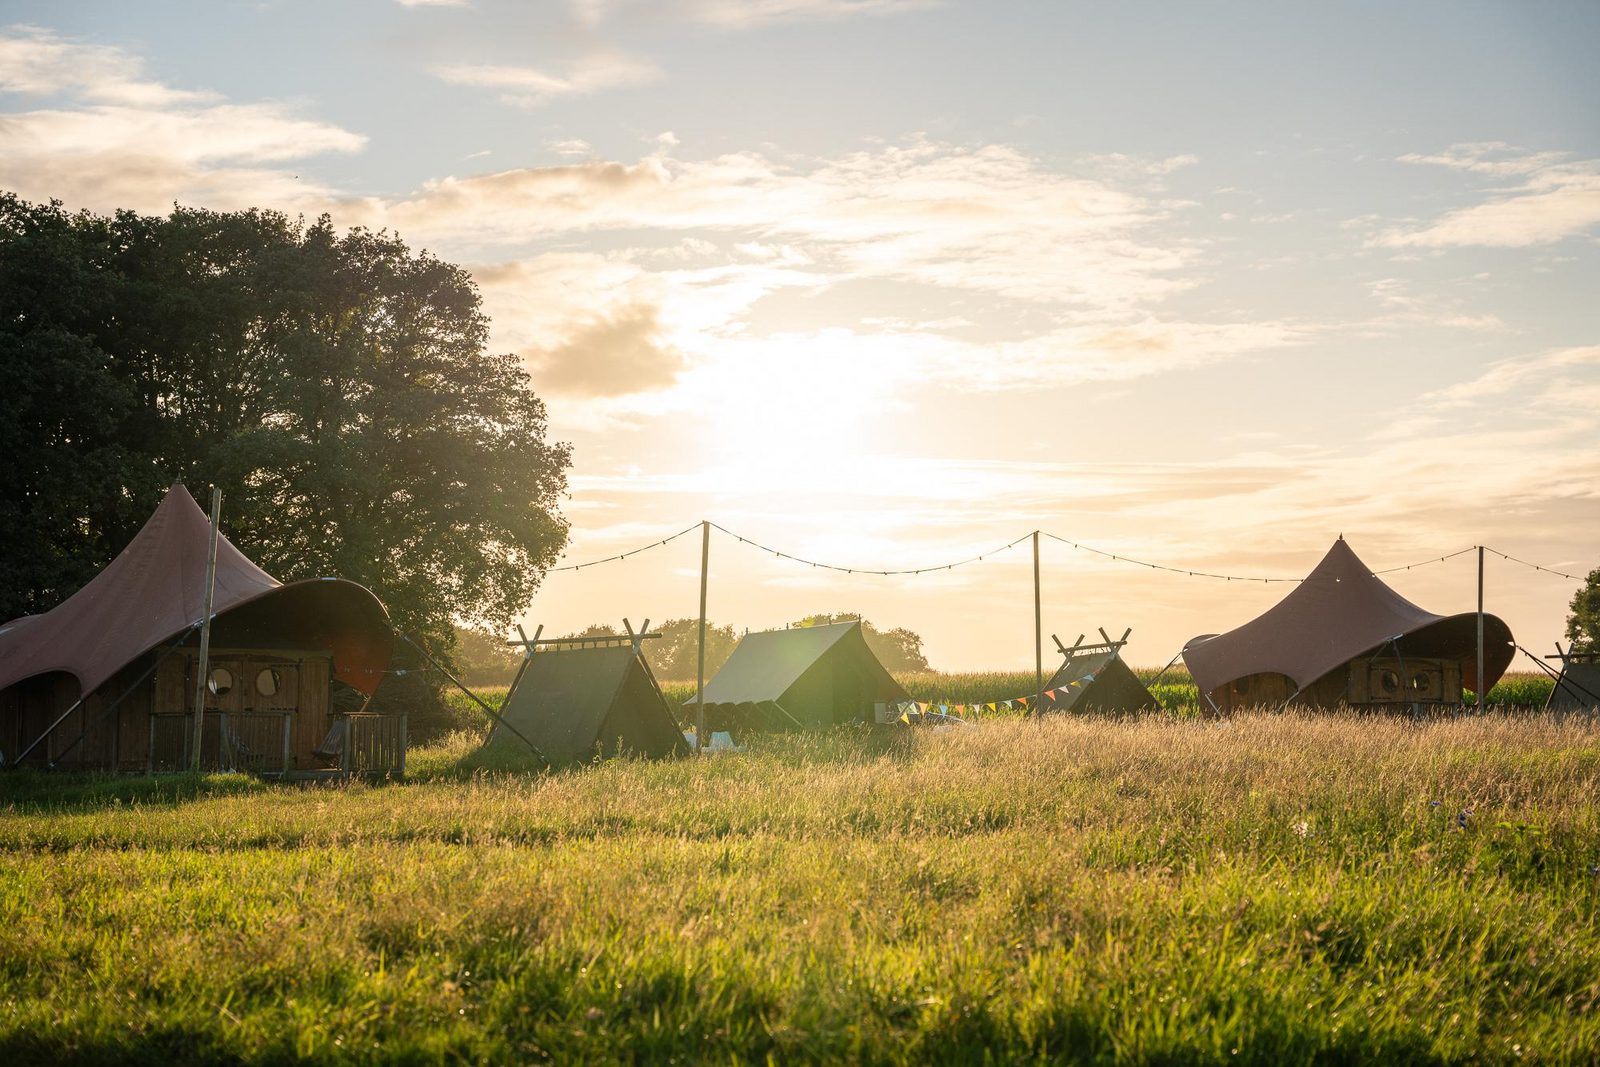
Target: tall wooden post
(1480,687)
(700,738)
(1038,633)
(205,634)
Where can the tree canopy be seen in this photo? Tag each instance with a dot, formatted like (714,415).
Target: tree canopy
(1583,624)
(898,649)
(336,386)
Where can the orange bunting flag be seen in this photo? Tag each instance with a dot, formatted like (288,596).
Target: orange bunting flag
(1051,693)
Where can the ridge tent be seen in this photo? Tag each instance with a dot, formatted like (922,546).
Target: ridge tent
(575,701)
(106,679)
(1093,679)
(805,677)
(1344,637)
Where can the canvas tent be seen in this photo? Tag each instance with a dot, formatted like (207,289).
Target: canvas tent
(801,678)
(120,655)
(575,701)
(1578,686)
(1093,679)
(1344,637)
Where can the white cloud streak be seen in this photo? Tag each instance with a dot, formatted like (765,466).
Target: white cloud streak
(1555,198)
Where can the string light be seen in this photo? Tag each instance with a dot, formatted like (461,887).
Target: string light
(867,570)
(1535,566)
(1078,545)
(624,555)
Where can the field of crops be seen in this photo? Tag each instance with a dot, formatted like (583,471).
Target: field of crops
(1263,889)
(1173,688)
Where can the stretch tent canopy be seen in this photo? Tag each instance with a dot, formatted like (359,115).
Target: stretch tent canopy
(155,590)
(1339,612)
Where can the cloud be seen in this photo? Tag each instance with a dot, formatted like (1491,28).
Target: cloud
(1567,378)
(434,3)
(984,218)
(1556,198)
(748,14)
(123,142)
(527,87)
(36,62)
(612,355)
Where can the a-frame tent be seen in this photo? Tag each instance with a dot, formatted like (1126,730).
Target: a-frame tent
(806,677)
(575,700)
(1342,636)
(1577,688)
(1094,680)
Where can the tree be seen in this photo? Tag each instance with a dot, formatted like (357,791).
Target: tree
(898,649)
(676,655)
(336,386)
(1583,625)
(484,658)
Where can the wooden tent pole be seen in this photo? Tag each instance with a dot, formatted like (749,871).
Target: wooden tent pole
(205,633)
(1480,686)
(700,669)
(1038,633)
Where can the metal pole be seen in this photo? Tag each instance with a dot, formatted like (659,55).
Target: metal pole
(1038,632)
(1480,686)
(205,632)
(700,669)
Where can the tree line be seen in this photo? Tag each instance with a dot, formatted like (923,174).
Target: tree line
(488,660)
(336,386)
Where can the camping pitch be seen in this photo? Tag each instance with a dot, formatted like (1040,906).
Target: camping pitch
(1344,637)
(578,699)
(801,678)
(107,679)
(1093,679)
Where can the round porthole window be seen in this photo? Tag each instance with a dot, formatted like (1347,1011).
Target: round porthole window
(1241,686)
(268,681)
(221,682)
(1421,682)
(1390,682)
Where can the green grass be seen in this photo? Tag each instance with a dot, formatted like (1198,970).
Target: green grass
(1265,889)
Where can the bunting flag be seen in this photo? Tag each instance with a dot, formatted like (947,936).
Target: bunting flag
(1051,693)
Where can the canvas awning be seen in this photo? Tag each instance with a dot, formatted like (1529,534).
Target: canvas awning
(1340,611)
(155,590)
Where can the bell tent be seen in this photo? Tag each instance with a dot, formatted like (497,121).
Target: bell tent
(575,699)
(805,677)
(1344,637)
(106,679)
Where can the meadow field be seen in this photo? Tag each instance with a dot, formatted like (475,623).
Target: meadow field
(1262,889)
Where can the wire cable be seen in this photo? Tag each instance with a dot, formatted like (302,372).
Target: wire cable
(1535,566)
(623,555)
(869,570)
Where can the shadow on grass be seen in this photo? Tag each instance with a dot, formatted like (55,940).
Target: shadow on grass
(29,789)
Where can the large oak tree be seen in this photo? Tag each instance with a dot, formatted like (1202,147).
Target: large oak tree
(336,386)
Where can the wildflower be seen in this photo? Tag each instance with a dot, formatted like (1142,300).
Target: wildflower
(1461,820)
(1433,803)
(1302,828)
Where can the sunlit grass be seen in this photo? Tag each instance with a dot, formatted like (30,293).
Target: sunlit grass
(1290,887)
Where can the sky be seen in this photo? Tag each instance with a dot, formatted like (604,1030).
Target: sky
(889,284)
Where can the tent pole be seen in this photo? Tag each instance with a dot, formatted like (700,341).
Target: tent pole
(205,633)
(1038,634)
(700,669)
(1480,686)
